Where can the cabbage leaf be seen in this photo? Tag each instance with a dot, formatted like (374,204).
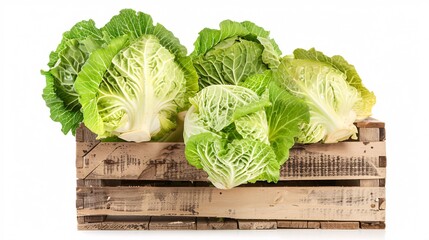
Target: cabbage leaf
(330,99)
(233,53)
(136,85)
(238,136)
(65,63)
(363,107)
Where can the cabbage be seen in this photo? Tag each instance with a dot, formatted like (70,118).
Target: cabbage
(135,86)
(233,53)
(65,63)
(363,107)
(238,136)
(241,125)
(330,98)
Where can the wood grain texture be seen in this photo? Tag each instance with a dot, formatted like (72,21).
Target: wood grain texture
(169,223)
(216,223)
(292,224)
(83,134)
(372,225)
(117,223)
(166,161)
(342,187)
(339,225)
(287,203)
(257,225)
(313,225)
(370,134)
(186,223)
(370,123)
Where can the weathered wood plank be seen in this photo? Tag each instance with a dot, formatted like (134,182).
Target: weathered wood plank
(372,225)
(257,224)
(172,223)
(370,123)
(292,224)
(117,223)
(93,219)
(339,225)
(370,135)
(166,161)
(216,223)
(313,225)
(346,160)
(83,134)
(281,203)
(82,148)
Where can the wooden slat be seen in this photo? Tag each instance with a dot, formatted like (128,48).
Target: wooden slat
(292,224)
(117,223)
(339,225)
(297,203)
(313,225)
(370,123)
(83,134)
(216,223)
(370,135)
(172,223)
(166,161)
(372,225)
(82,148)
(124,225)
(257,224)
(346,160)
(94,219)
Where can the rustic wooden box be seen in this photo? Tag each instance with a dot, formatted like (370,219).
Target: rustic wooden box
(128,186)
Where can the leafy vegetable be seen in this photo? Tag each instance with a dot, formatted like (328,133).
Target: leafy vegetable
(330,98)
(237,136)
(135,86)
(364,106)
(230,164)
(65,64)
(233,53)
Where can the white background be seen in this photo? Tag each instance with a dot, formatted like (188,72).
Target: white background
(387,41)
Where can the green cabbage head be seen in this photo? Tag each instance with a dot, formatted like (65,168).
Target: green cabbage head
(233,53)
(238,136)
(65,63)
(135,86)
(333,92)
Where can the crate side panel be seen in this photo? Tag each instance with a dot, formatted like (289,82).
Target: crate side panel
(166,161)
(288,203)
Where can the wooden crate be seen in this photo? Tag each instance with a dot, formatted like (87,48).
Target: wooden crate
(137,186)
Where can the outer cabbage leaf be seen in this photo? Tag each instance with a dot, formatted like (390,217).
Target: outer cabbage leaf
(363,108)
(285,115)
(135,91)
(229,164)
(258,82)
(136,85)
(231,65)
(329,98)
(65,64)
(220,105)
(137,24)
(233,53)
(89,79)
